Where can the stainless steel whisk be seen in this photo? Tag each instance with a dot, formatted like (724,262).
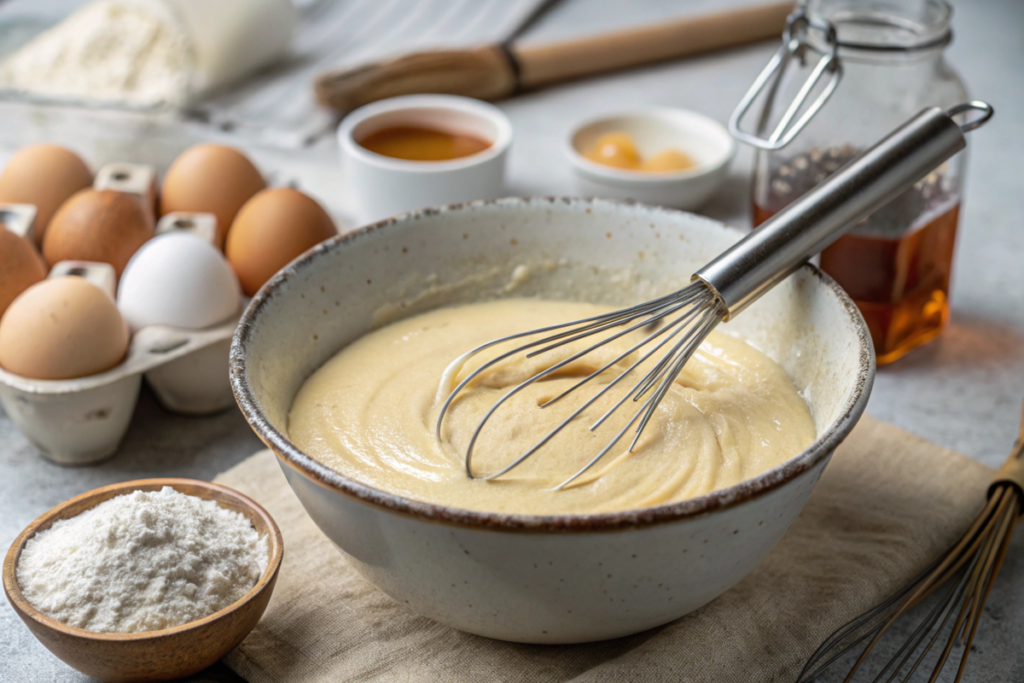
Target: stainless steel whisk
(726,285)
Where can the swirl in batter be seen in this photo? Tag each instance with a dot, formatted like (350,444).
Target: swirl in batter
(369,414)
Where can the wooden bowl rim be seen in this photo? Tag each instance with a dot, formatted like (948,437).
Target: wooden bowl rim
(48,518)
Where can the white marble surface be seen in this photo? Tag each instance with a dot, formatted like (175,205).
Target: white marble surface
(963,391)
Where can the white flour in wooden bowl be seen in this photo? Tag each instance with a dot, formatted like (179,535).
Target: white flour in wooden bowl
(143,561)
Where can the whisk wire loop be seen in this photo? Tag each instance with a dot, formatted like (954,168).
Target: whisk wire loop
(640,388)
(577,325)
(540,376)
(685,316)
(702,331)
(684,296)
(651,404)
(675,326)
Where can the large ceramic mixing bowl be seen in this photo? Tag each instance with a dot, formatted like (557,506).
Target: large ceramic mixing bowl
(556,578)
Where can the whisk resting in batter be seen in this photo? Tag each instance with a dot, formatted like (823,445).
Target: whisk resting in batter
(677,323)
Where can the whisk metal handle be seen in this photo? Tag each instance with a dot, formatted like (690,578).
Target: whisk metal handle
(782,244)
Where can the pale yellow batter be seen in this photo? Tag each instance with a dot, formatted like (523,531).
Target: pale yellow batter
(369,413)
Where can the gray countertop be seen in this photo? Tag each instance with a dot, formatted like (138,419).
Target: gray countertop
(963,391)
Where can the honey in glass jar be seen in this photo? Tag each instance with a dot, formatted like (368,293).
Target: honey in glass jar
(896,263)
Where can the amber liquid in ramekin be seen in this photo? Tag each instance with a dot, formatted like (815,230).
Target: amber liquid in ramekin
(423,144)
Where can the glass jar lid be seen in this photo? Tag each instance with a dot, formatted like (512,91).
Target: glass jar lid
(881,25)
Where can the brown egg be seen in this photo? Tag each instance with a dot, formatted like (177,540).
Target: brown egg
(213,179)
(21,266)
(273,228)
(44,175)
(62,329)
(98,225)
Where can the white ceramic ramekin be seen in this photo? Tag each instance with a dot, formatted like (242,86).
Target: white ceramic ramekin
(705,140)
(552,578)
(383,186)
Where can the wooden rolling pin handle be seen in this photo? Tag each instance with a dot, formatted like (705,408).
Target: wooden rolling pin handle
(495,71)
(543,64)
(484,73)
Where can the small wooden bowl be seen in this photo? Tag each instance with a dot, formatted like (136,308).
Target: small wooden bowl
(151,655)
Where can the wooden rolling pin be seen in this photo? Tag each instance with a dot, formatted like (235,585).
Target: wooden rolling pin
(495,71)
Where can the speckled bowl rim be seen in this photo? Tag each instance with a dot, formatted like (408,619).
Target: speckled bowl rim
(268,577)
(294,458)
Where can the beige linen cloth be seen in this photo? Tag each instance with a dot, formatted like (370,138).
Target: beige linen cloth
(888,504)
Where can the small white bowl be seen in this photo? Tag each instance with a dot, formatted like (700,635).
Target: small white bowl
(703,139)
(383,186)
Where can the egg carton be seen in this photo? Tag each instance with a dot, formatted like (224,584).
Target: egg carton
(82,421)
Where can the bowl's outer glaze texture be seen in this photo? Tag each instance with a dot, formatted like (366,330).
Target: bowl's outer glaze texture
(538,587)
(543,579)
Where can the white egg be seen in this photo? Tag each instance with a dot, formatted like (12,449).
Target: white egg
(179,280)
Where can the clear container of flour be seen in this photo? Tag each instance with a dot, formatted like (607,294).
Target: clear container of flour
(145,54)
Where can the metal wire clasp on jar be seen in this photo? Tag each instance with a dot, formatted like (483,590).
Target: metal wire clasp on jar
(889,58)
